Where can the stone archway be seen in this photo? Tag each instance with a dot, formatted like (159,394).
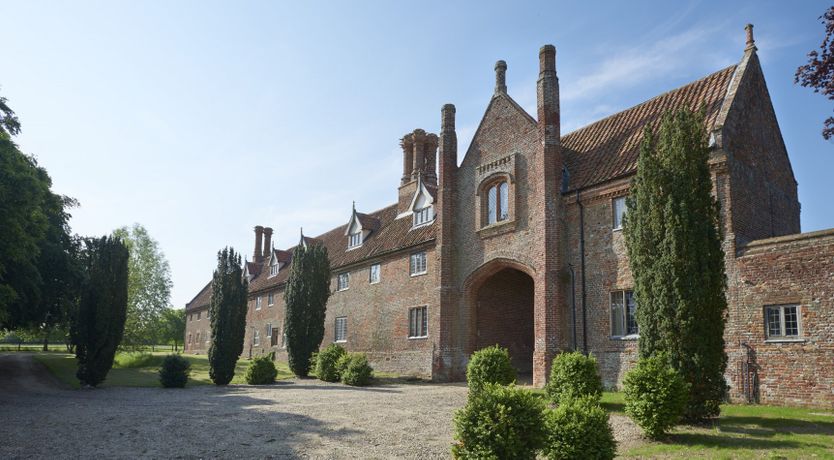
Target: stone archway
(502,306)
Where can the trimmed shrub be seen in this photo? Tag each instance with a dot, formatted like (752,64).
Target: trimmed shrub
(174,371)
(261,371)
(656,395)
(355,370)
(578,428)
(574,375)
(500,422)
(137,359)
(489,365)
(327,363)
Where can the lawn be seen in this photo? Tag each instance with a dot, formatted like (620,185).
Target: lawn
(63,366)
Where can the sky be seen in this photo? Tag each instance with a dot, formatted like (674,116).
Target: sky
(200,119)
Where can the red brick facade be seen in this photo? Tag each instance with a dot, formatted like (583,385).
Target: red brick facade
(522,249)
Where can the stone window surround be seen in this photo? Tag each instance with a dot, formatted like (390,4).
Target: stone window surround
(625,337)
(799,338)
(424,322)
(340,286)
(482,197)
(614,200)
(411,266)
(371,279)
(337,337)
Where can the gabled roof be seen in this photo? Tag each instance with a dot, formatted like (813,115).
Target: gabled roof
(201,300)
(608,149)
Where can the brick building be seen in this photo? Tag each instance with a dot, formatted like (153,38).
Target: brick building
(519,244)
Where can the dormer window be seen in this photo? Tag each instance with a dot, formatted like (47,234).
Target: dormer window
(422,206)
(355,240)
(274,266)
(423,216)
(498,202)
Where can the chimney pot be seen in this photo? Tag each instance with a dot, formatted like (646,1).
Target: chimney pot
(750,43)
(259,232)
(547,58)
(267,242)
(501,77)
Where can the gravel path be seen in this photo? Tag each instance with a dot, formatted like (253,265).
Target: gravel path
(291,419)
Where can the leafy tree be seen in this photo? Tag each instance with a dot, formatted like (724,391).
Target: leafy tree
(149,287)
(306,294)
(674,246)
(39,276)
(228,316)
(98,325)
(172,326)
(818,73)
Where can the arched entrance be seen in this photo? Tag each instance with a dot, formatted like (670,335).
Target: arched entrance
(502,313)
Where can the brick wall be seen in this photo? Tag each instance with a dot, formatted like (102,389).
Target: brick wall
(194,326)
(797,270)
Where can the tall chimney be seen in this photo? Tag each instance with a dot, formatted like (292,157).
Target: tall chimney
(750,44)
(448,145)
(501,77)
(548,96)
(259,233)
(267,242)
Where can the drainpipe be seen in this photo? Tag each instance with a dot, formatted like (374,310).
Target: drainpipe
(582,269)
(573,301)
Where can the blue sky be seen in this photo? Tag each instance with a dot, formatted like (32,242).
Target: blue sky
(202,119)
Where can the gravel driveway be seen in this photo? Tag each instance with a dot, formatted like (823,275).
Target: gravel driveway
(291,419)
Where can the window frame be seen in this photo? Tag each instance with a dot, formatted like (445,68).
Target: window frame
(422,217)
(615,225)
(336,338)
(412,267)
(270,299)
(274,268)
(256,337)
(413,327)
(627,303)
(499,190)
(355,240)
(783,336)
(339,277)
(371,274)
(258,303)
(199,313)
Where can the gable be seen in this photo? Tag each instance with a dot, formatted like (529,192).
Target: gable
(504,129)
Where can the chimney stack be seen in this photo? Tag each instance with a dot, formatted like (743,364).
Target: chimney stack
(750,43)
(500,77)
(267,242)
(548,96)
(259,232)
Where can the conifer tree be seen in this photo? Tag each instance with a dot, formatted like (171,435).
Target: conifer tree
(306,294)
(99,322)
(228,316)
(673,236)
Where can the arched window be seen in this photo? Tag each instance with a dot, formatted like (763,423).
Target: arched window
(498,202)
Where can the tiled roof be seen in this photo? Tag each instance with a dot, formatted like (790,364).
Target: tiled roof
(201,299)
(608,149)
(389,234)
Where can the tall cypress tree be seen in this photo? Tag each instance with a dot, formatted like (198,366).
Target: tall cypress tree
(306,294)
(99,322)
(673,235)
(228,316)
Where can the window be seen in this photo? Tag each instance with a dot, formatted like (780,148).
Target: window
(355,240)
(269,330)
(258,303)
(418,322)
(418,263)
(782,321)
(189,338)
(198,337)
(342,281)
(273,267)
(423,216)
(270,299)
(373,274)
(198,315)
(623,314)
(256,338)
(208,337)
(341,329)
(498,202)
(618,205)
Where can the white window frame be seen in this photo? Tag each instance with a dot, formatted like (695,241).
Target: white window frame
(355,240)
(343,286)
(197,339)
(274,268)
(269,331)
(782,336)
(624,299)
(423,216)
(256,337)
(208,336)
(258,303)
(270,299)
(336,329)
(617,218)
(413,327)
(415,268)
(371,279)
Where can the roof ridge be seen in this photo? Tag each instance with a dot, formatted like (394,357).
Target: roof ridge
(647,101)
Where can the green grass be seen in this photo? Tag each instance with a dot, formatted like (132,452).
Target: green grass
(63,366)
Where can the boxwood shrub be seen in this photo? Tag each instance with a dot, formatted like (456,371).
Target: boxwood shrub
(261,371)
(578,428)
(489,365)
(327,363)
(355,370)
(174,371)
(655,394)
(499,422)
(574,375)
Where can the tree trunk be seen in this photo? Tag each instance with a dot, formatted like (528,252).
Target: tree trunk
(46,342)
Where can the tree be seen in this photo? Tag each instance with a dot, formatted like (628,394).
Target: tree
(673,238)
(305,295)
(149,287)
(228,316)
(98,325)
(172,326)
(818,73)
(38,274)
